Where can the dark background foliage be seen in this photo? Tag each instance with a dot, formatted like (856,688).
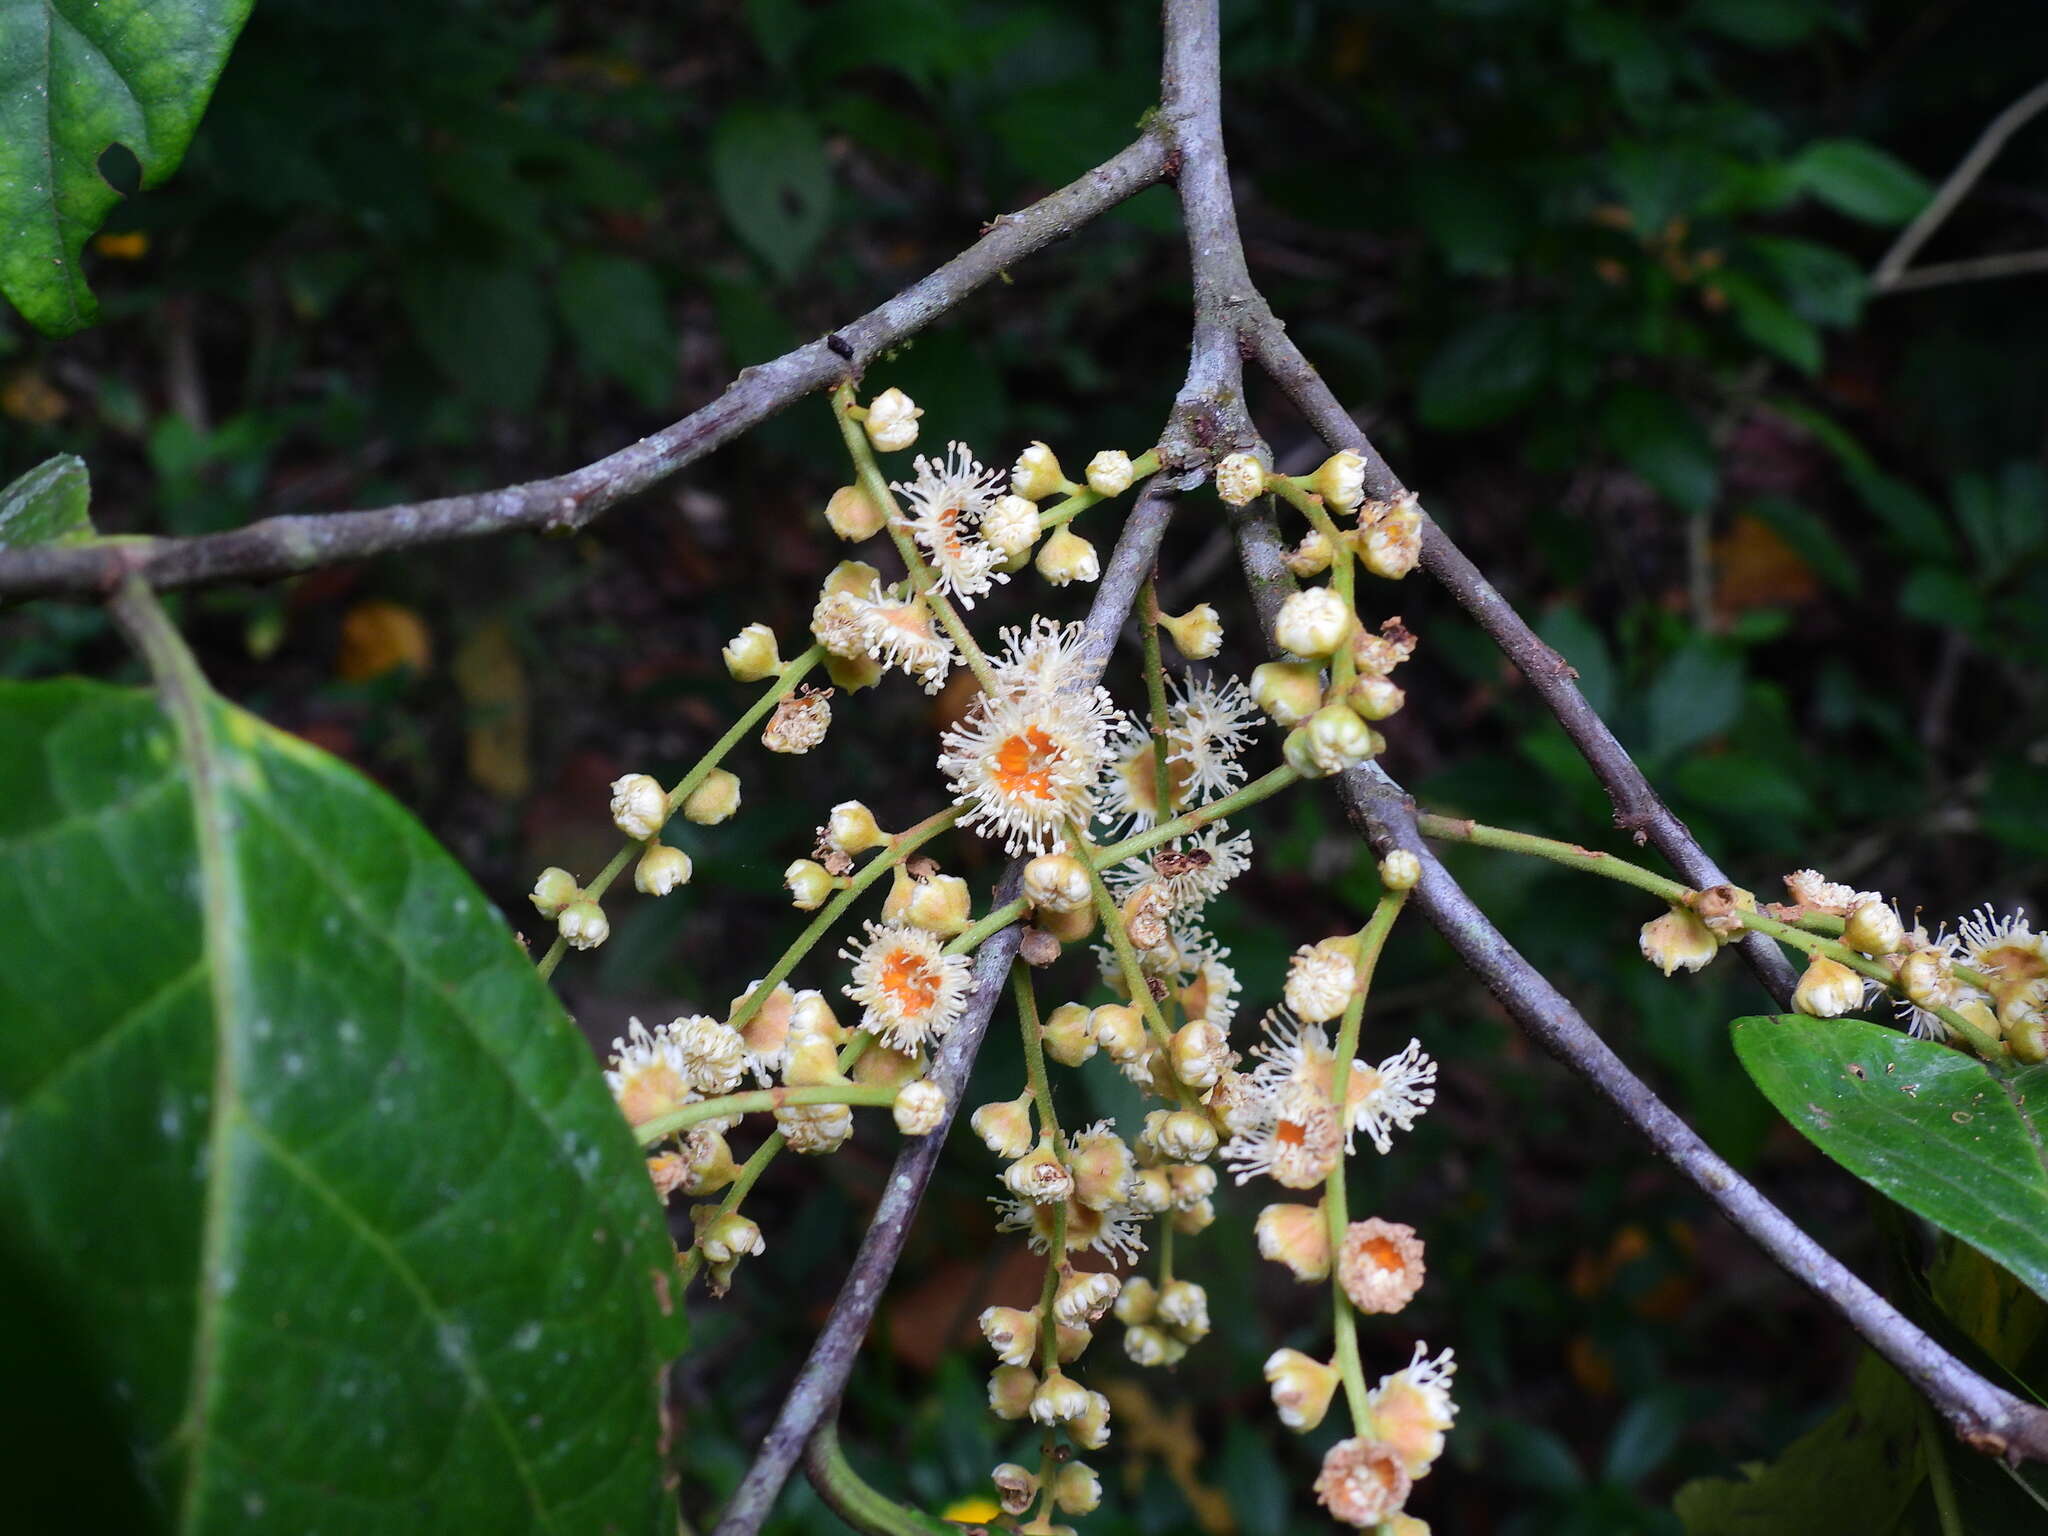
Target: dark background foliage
(1591,271)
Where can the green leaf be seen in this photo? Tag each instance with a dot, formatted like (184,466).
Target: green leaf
(613,310)
(1861,180)
(1766,320)
(76,78)
(1811,539)
(1929,1126)
(47,505)
(317,1162)
(769,170)
(1645,1436)
(1579,641)
(1850,1475)
(487,327)
(1819,282)
(1697,695)
(1484,372)
(1658,438)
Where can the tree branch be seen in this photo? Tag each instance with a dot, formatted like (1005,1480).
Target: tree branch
(825,1370)
(280,546)
(1892,274)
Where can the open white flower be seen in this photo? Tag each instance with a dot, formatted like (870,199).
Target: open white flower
(910,992)
(946,501)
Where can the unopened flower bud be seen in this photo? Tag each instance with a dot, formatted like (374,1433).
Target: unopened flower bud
(920,1106)
(1240,479)
(1076,1489)
(1120,1031)
(1184,1307)
(1069,1034)
(1110,473)
(750,655)
(810,884)
(1828,989)
(1137,1301)
(660,870)
(1874,929)
(1400,870)
(1333,741)
(2027,1038)
(941,904)
(1016,1487)
(724,1235)
(554,890)
(853,514)
(1011,1333)
(1297,1236)
(851,828)
(1186,1136)
(1200,1053)
(712,801)
(1677,941)
(810,1061)
(1198,633)
(1192,1184)
(1149,1345)
(1376,698)
(1039,1176)
(810,1014)
(1004,1126)
(1067,927)
(1151,1190)
(1192,1219)
(1085,1297)
(708,1165)
(1288,691)
(639,805)
(1340,481)
(1059,1398)
(1928,977)
(1377,655)
(1010,524)
(1091,1430)
(1103,1168)
(1010,1391)
(582,925)
(1037,475)
(1067,557)
(1312,556)
(1313,622)
(887,1067)
(1057,882)
(891,421)
(1390,545)
(1302,1388)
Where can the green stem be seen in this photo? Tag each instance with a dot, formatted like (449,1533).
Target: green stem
(679,1120)
(1940,1481)
(1112,921)
(868,472)
(1343,665)
(901,847)
(793,672)
(1155,695)
(1062,512)
(1372,940)
(1034,1055)
(856,1501)
(1453,829)
(1166,1236)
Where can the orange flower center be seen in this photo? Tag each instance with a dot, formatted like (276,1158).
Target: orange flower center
(1383,1254)
(1290,1133)
(909,981)
(1023,765)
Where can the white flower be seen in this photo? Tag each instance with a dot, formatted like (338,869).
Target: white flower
(647,1074)
(1110,473)
(903,634)
(1312,622)
(909,991)
(1240,478)
(1113,1230)
(1811,889)
(1193,869)
(1397,1092)
(814,1129)
(639,805)
(891,421)
(1412,1408)
(1320,980)
(947,499)
(1010,524)
(1295,1141)
(713,1054)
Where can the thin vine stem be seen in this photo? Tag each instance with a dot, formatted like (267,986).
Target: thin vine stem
(1062,512)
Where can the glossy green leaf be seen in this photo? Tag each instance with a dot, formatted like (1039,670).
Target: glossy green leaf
(1861,180)
(76,78)
(1697,694)
(769,170)
(1930,1126)
(47,505)
(290,1126)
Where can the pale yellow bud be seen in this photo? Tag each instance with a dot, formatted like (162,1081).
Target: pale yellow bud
(1103,1168)
(554,890)
(708,1163)
(1110,473)
(1136,1302)
(1010,525)
(890,1068)
(1376,698)
(1391,543)
(1151,1190)
(1195,1218)
(1085,1297)
(1333,741)
(1874,928)
(1076,1489)
(810,884)
(1312,622)
(660,870)
(1340,481)
(1059,1399)
(1037,475)
(1288,691)
(1091,1430)
(1068,927)
(639,805)
(1297,1236)
(851,828)
(853,514)
(1828,989)
(1302,1388)
(811,1061)
(724,1235)
(810,1014)
(1069,1034)
(939,904)
(1240,479)
(1039,1176)
(891,421)
(1400,870)
(1149,1346)
(1184,1307)
(1312,556)
(1010,1390)
(750,655)
(1200,1053)
(1057,882)
(1004,1126)
(1120,1032)
(582,925)
(1927,976)
(1186,1136)
(715,799)
(1067,557)
(1011,1333)
(1198,633)
(920,1106)
(1677,941)
(1016,1487)
(1072,1343)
